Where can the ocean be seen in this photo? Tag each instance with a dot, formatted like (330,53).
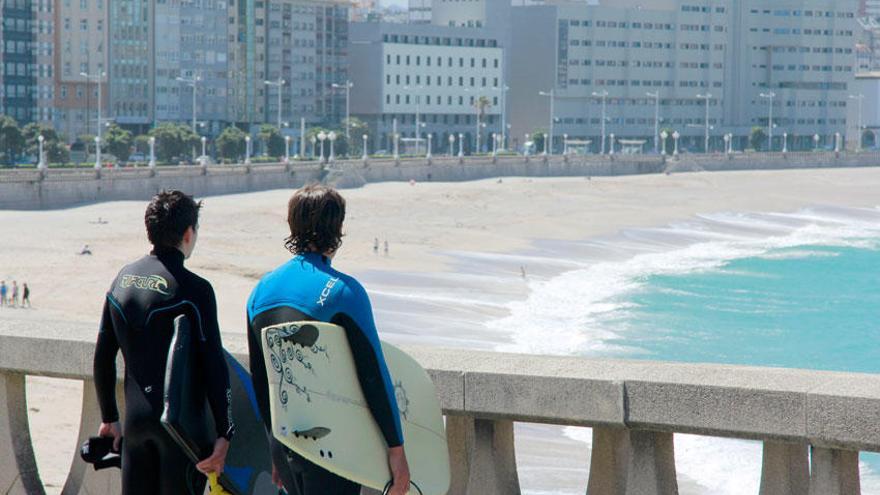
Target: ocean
(797,290)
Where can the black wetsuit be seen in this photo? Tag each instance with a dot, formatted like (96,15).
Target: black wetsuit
(308,288)
(138,319)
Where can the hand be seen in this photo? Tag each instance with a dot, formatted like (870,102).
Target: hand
(215,463)
(111,430)
(399,471)
(276,478)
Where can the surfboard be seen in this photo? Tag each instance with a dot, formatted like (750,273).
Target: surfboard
(319,411)
(188,419)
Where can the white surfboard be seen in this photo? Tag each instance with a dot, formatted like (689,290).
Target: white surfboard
(319,411)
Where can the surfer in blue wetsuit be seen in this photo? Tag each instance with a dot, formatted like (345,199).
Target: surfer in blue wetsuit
(139,310)
(307,287)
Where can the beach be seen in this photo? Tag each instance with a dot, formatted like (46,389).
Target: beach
(458,236)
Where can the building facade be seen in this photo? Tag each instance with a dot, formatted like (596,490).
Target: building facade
(17,61)
(425,80)
(131,74)
(695,58)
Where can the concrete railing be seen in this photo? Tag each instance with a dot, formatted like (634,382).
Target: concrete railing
(58,188)
(813,424)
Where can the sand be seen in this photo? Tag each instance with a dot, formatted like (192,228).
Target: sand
(241,237)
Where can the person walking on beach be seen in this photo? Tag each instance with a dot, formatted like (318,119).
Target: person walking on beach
(376,245)
(25,295)
(386,247)
(139,311)
(3,290)
(307,287)
(14,298)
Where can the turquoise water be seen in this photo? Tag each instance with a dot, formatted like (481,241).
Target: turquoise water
(815,307)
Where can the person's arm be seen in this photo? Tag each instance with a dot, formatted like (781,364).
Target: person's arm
(259,377)
(360,328)
(104,367)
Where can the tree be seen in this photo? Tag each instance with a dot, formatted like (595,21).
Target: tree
(11,140)
(118,142)
(89,141)
(272,140)
(230,144)
(53,147)
(757,138)
(482,104)
(173,140)
(357,128)
(538,139)
(142,144)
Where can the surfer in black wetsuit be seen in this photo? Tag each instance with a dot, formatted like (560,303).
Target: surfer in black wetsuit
(308,288)
(139,311)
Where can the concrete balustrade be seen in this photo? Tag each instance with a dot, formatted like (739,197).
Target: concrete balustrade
(813,424)
(59,188)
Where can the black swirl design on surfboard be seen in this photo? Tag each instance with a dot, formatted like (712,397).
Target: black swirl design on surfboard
(286,353)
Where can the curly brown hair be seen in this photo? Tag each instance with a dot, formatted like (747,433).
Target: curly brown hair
(315,214)
(168,215)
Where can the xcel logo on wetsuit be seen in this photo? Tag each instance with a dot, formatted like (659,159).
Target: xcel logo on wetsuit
(326,292)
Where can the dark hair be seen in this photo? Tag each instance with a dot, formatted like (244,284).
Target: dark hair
(168,216)
(315,214)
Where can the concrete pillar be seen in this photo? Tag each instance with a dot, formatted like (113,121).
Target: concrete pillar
(834,472)
(632,462)
(82,478)
(18,467)
(785,469)
(481,456)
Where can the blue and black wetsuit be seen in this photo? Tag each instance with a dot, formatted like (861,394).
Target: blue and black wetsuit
(308,288)
(139,312)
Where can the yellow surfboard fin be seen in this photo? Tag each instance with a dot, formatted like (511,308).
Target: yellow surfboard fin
(214,485)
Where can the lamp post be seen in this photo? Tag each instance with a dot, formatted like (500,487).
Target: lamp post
(332,137)
(279,84)
(859,97)
(505,127)
(663,136)
(204,151)
(98,78)
(565,145)
(611,144)
(769,96)
(247,150)
(193,82)
(321,137)
(97,152)
(604,96)
(546,144)
(494,144)
(364,154)
(785,142)
(656,96)
(480,127)
(727,143)
(451,144)
(816,142)
(41,164)
(418,113)
(460,145)
(347,87)
(428,153)
(314,147)
(152,163)
(552,95)
(396,145)
(675,136)
(707,97)
(526,145)
(837,142)
(286,149)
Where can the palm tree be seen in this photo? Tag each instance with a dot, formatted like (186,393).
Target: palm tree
(481,104)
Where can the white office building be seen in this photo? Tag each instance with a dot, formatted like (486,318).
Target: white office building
(426,80)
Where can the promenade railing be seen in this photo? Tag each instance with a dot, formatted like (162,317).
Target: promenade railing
(812,424)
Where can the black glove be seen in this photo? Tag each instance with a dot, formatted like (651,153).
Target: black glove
(99,452)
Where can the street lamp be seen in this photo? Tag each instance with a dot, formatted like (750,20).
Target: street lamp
(546,143)
(42,163)
(364,154)
(314,147)
(611,144)
(769,96)
(552,95)
(204,151)
(505,127)
(451,144)
(816,142)
(460,145)
(279,84)
(97,152)
(663,136)
(526,145)
(428,153)
(396,145)
(785,142)
(656,96)
(727,143)
(247,150)
(675,136)
(479,132)
(286,149)
(418,112)
(98,78)
(193,82)
(859,97)
(332,137)
(152,163)
(604,96)
(321,137)
(564,144)
(347,86)
(494,144)
(837,142)
(707,97)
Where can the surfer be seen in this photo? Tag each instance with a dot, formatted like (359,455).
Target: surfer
(139,311)
(307,287)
